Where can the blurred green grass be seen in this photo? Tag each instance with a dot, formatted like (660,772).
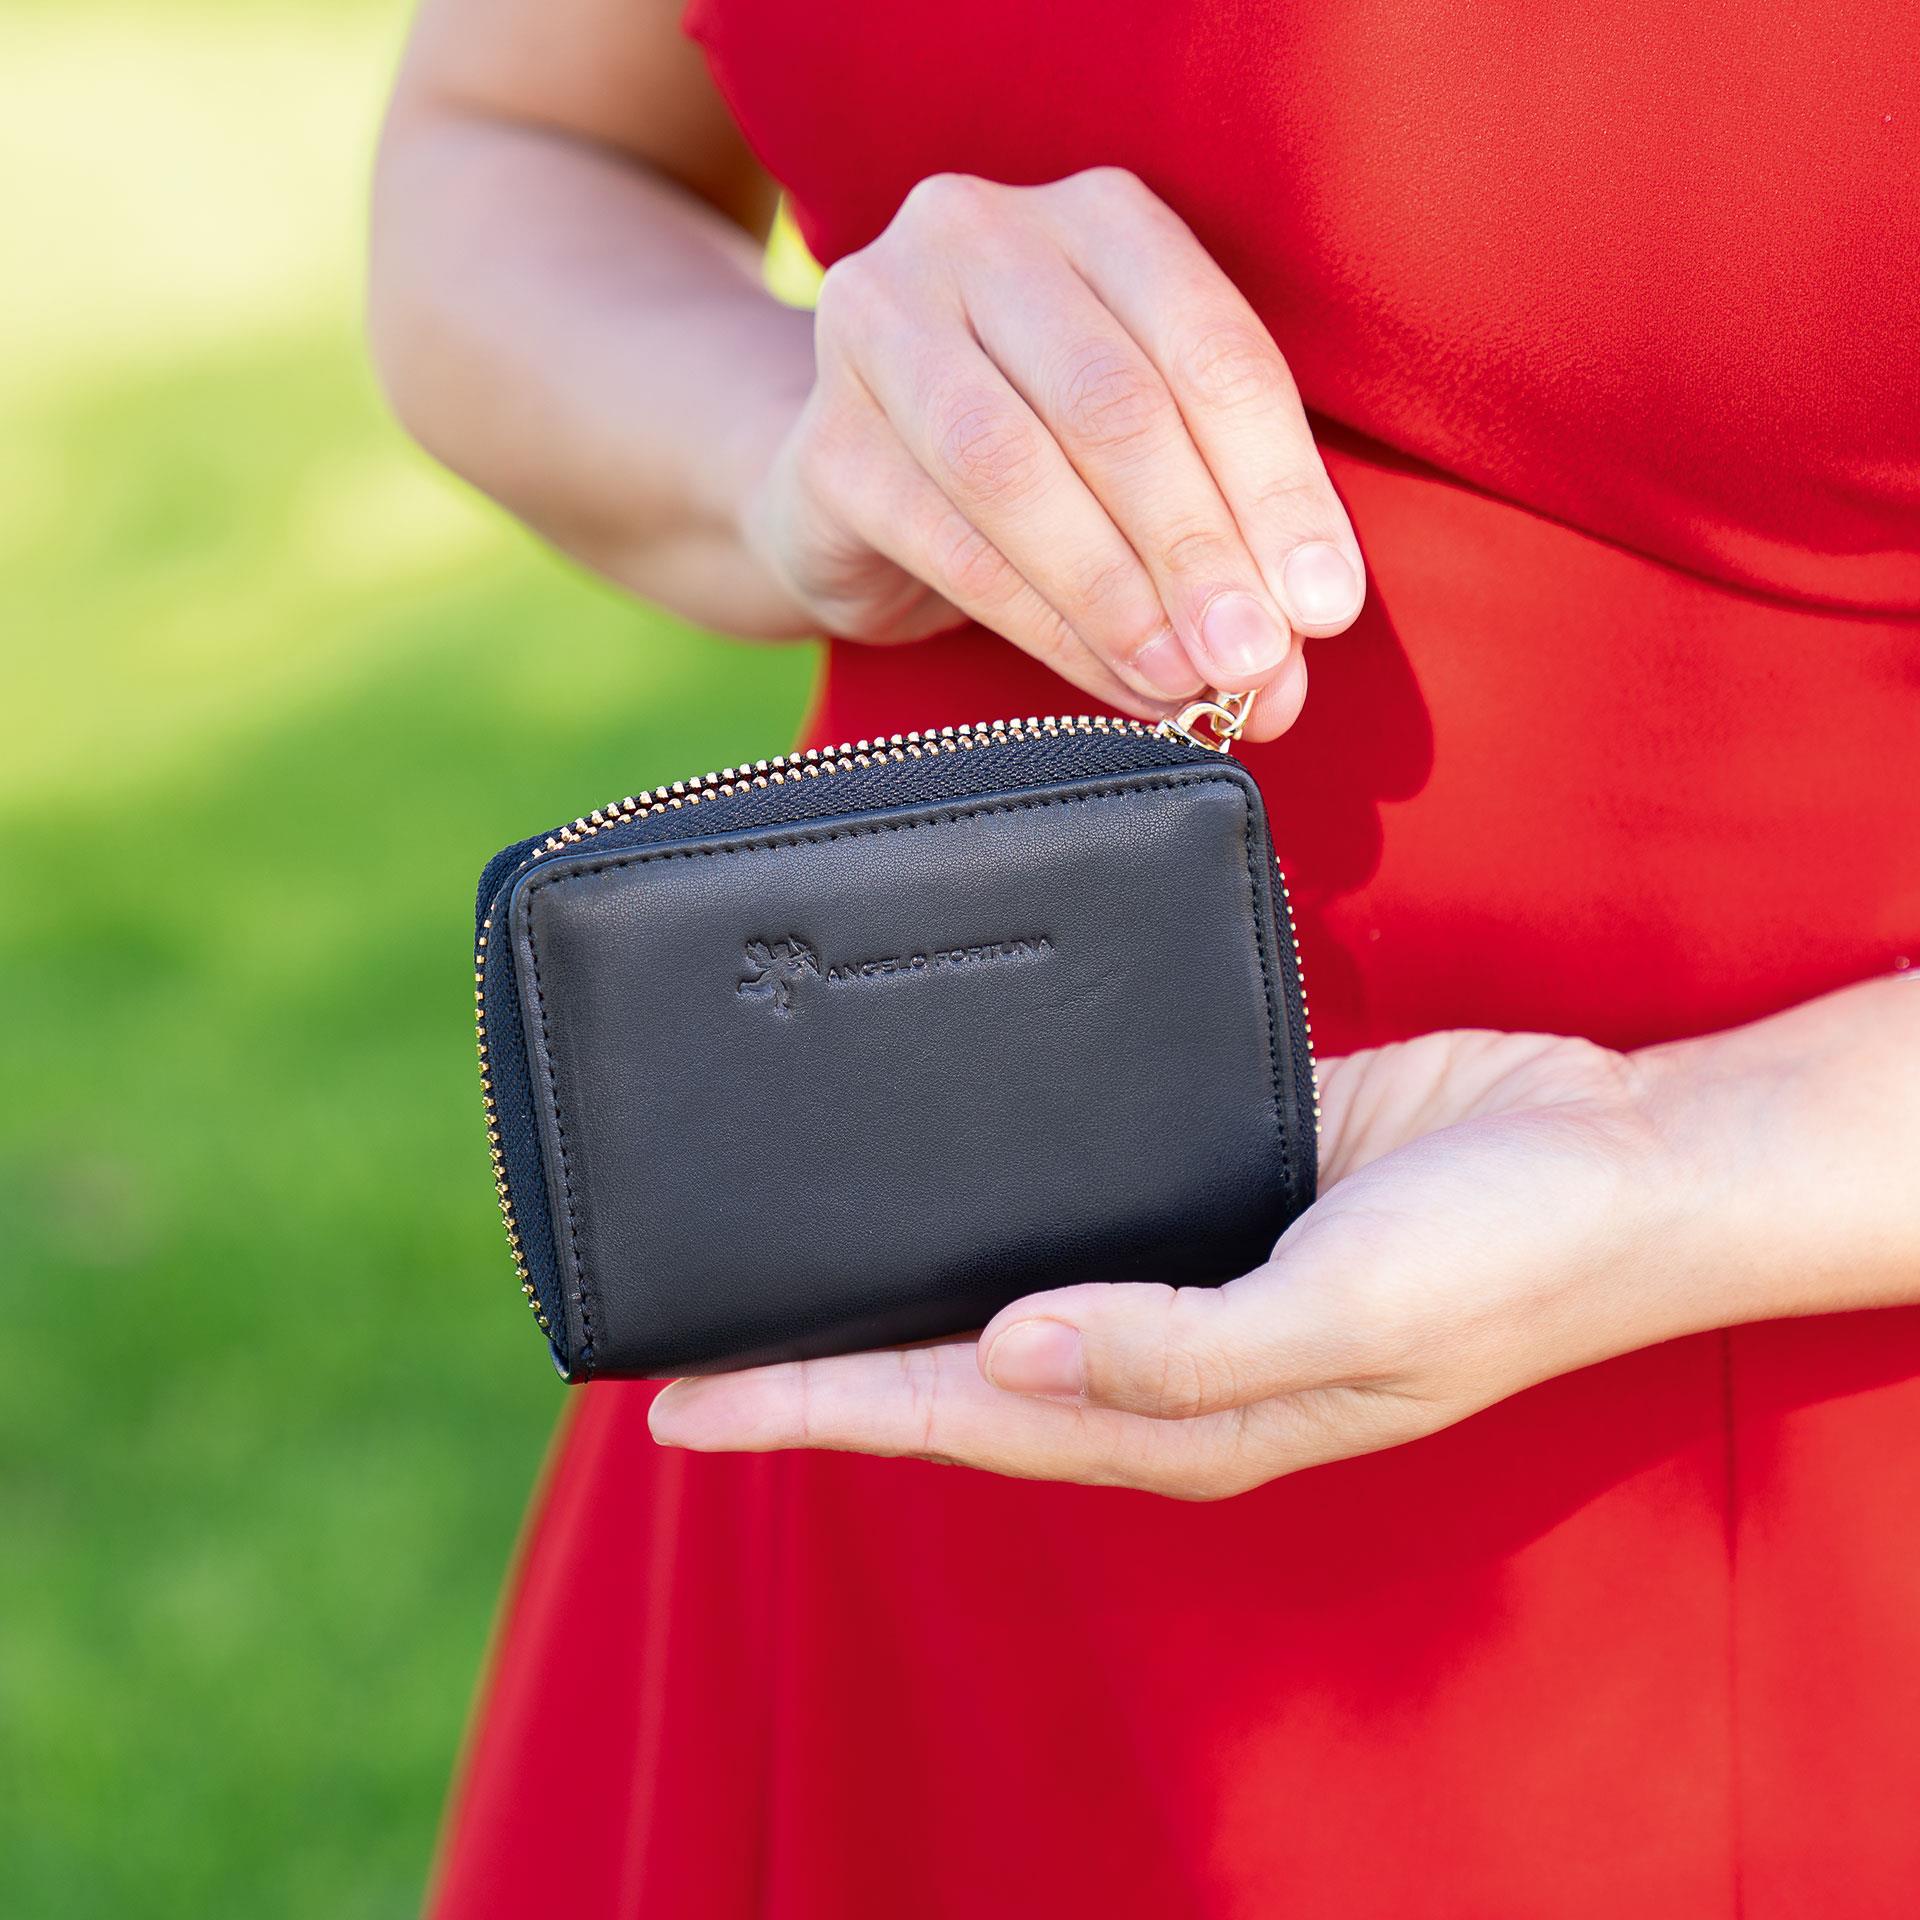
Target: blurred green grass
(273,689)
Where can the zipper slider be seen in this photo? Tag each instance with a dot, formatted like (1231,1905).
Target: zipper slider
(1221,715)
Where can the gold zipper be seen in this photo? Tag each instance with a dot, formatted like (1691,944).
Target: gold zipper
(1213,723)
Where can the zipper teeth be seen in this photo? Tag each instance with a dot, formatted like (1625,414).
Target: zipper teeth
(812,764)
(816,761)
(1300,980)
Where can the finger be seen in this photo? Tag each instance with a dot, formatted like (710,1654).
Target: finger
(1175,1353)
(900,513)
(982,446)
(1231,385)
(930,1403)
(858,485)
(1110,411)
(805,521)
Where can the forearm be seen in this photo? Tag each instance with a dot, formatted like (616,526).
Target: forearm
(1797,1141)
(592,345)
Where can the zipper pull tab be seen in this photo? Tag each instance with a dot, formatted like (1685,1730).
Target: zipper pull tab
(1214,723)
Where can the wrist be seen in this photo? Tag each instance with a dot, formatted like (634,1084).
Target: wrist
(1790,1156)
(1712,1251)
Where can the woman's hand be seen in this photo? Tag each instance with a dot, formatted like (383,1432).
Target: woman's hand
(1496,1209)
(1481,1196)
(1046,409)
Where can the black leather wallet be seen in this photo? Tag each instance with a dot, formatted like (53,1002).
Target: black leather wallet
(856,1046)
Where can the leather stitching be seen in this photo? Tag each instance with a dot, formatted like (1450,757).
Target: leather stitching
(769,842)
(1263,927)
(581,1294)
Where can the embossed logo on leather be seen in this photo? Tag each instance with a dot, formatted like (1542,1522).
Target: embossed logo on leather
(776,968)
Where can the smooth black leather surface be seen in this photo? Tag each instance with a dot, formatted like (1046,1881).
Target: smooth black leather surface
(810,1089)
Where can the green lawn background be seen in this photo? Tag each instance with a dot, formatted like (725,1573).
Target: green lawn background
(273,690)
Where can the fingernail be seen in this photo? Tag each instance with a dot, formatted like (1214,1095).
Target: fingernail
(1038,1356)
(1163,665)
(665,1417)
(1241,640)
(1321,586)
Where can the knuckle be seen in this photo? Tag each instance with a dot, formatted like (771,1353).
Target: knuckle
(1191,551)
(1223,1472)
(1237,1479)
(1203,1373)
(1301,498)
(972,569)
(1112,593)
(1118,185)
(850,299)
(920,1371)
(944,201)
(1170,1362)
(1051,641)
(1184,1390)
(987,450)
(1196,1378)
(1122,1458)
(1229,364)
(1199,1486)
(1109,401)
(1292,486)
(806,1426)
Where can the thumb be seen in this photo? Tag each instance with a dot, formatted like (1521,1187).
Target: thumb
(1173,1353)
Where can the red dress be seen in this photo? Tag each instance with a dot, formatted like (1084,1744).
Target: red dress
(1608,316)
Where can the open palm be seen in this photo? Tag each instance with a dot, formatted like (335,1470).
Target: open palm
(1491,1214)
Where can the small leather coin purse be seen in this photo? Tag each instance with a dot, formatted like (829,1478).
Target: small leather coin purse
(856,1046)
